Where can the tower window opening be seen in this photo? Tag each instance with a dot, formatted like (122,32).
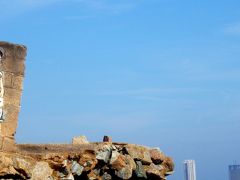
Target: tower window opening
(1,53)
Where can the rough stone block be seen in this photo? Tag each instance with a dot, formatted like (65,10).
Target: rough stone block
(139,153)
(8,144)
(1,143)
(17,82)
(11,113)
(8,79)
(12,96)
(79,140)
(9,129)
(16,67)
(13,58)
(13,81)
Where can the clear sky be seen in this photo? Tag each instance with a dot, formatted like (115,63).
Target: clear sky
(162,73)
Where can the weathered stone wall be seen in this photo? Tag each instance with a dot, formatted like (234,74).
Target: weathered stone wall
(12,58)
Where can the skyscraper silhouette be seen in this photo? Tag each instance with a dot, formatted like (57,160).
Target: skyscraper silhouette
(189,170)
(234,172)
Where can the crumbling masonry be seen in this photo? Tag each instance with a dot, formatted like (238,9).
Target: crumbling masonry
(82,160)
(12,67)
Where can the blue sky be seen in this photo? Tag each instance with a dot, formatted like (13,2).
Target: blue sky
(160,73)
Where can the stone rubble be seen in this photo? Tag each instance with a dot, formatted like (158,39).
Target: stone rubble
(108,161)
(80,140)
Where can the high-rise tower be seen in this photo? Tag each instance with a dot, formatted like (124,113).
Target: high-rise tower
(189,170)
(234,172)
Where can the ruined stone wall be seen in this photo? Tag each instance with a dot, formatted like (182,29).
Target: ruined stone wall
(89,161)
(12,67)
(80,160)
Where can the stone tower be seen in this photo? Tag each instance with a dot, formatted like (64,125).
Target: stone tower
(12,60)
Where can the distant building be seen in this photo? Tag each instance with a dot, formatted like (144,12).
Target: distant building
(234,172)
(189,170)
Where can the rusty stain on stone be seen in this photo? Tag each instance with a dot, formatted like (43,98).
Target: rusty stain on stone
(107,139)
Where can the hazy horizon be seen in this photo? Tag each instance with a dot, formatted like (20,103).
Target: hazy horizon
(162,73)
